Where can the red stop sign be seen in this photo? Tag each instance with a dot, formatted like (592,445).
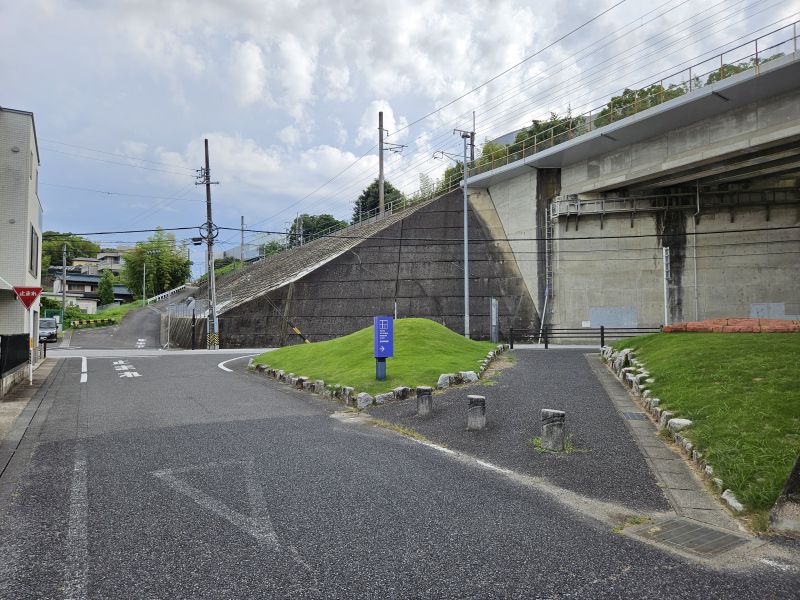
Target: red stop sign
(27,295)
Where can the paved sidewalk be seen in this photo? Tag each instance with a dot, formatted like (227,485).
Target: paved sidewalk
(606,464)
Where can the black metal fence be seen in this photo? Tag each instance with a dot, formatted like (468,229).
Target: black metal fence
(14,352)
(548,334)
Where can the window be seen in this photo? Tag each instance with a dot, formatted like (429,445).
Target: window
(33,263)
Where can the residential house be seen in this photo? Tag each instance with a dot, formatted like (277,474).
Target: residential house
(20,218)
(87,286)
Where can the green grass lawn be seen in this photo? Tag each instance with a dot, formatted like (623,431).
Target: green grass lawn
(742,392)
(423,350)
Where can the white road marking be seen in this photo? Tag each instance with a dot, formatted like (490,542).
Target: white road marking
(76,568)
(778,565)
(224,368)
(259,525)
(141,342)
(84,370)
(120,362)
(129,374)
(124,368)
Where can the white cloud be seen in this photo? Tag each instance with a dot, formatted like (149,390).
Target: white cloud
(368,127)
(249,73)
(289,135)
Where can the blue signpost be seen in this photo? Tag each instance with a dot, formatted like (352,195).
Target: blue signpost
(384,344)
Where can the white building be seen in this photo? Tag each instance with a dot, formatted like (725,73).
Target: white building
(20,218)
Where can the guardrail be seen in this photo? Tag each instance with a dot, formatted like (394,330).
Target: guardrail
(164,295)
(743,57)
(547,334)
(82,322)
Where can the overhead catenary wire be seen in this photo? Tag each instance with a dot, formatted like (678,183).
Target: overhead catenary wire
(578,78)
(397,177)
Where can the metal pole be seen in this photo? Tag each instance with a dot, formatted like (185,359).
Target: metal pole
(144,279)
(665,258)
(241,246)
(380,164)
(30,345)
(212,280)
(465,137)
(63,284)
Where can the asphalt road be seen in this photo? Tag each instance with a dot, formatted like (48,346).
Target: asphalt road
(186,481)
(140,328)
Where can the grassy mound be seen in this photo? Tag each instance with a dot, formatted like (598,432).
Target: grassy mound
(423,350)
(742,391)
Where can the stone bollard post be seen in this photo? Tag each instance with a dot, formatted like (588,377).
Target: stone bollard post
(553,434)
(424,401)
(476,413)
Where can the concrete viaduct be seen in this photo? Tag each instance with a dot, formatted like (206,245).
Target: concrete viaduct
(714,175)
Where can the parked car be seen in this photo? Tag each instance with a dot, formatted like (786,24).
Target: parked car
(48,330)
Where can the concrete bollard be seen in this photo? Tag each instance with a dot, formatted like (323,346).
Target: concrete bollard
(476,413)
(424,401)
(553,434)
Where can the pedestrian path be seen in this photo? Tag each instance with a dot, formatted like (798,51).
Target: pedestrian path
(604,462)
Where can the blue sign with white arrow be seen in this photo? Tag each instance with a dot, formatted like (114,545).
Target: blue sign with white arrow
(384,337)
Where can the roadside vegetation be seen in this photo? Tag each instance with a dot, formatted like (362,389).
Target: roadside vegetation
(115,313)
(742,393)
(423,350)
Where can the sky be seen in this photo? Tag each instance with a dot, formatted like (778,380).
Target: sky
(124,92)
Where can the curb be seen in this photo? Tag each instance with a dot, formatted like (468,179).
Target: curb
(361,400)
(633,374)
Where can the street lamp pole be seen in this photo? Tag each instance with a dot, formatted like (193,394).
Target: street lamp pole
(466,136)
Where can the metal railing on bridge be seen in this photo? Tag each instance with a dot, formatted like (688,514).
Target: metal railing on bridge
(752,54)
(547,334)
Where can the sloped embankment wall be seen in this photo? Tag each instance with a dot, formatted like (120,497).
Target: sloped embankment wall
(417,262)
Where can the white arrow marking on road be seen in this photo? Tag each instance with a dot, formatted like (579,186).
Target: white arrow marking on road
(129,374)
(259,525)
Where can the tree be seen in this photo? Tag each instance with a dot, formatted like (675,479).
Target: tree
(491,152)
(270,248)
(634,101)
(313,225)
(450,178)
(53,242)
(167,265)
(106,287)
(368,200)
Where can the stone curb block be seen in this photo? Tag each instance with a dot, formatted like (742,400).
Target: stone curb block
(632,373)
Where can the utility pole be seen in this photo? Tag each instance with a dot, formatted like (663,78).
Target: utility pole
(397,148)
(472,140)
(209,232)
(63,283)
(466,135)
(241,247)
(380,164)
(144,281)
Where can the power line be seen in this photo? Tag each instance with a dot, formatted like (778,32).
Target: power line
(155,162)
(440,242)
(113,162)
(110,193)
